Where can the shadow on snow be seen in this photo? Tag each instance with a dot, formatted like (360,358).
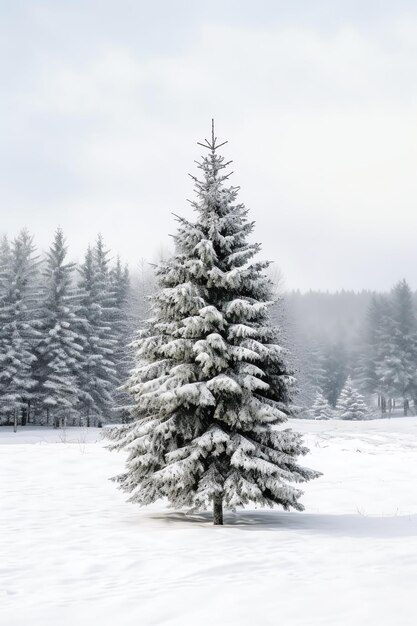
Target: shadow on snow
(347,525)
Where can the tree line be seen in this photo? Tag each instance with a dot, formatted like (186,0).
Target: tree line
(380,358)
(388,361)
(64,331)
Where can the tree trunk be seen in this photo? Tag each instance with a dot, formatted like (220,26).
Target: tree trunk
(406,407)
(218,511)
(16,413)
(383,405)
(47,416)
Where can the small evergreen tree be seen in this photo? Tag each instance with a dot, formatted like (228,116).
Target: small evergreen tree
(59,350)
(321,409)
(351,405)
(211,384)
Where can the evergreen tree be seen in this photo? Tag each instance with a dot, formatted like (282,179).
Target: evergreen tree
(211,384)
(321,410)
(335,366)
(59,350)
(397,368)
(351,405)
(97,375)
(121,318)
(18,333)
(5,274)
(371,338)
(5,266)
(373,349)
(122,323)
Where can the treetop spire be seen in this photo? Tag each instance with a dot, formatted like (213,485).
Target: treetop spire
(213,145)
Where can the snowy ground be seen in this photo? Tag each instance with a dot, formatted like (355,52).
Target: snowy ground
(72,552)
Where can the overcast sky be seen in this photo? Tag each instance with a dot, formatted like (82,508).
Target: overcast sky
(102,103)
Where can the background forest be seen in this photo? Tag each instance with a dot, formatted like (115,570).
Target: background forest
(65,329)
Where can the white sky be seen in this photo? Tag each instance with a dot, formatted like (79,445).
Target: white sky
(102,102)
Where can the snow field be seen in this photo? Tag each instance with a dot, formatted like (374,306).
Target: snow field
(73,552)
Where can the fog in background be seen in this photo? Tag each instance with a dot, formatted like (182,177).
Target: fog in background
(103,102)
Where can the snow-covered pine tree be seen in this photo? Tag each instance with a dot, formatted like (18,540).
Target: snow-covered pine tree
(123,329)
(5,273)
(211,386)
(321,409)
(335,371)
(5,264)
(351,405)
(18,333)
(59,350)
(122,313)
(120,288)
(373,349)
(108,332)
(97,375)
(398,366)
